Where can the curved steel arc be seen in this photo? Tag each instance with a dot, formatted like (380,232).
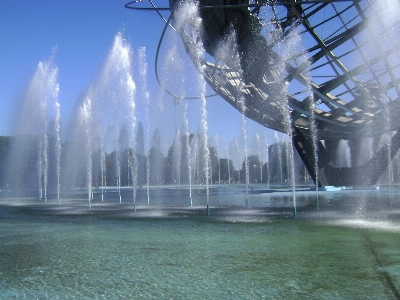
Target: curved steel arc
(154,7)
(156,68)
(167,23)
(225,6)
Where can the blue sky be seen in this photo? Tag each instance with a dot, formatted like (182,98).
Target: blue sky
(83,33)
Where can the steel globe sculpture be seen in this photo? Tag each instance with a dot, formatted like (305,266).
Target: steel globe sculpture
(320,71)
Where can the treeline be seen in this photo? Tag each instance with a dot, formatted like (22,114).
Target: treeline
(21,158)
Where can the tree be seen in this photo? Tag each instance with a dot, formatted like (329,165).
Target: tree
(214,164)
(254,169)
(226,167)
(4,152)
(157,165)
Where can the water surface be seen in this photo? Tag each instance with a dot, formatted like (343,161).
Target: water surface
(111,252)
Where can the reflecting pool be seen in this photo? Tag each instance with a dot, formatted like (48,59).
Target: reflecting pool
(348,249)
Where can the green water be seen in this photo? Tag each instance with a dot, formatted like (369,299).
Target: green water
(348,249)
(196,257)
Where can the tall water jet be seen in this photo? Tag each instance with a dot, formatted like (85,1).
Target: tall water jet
(118,163)
(40,168)
(390,168)
(291,179)
(141,156)
(310,101)
(181,157)
(107,107)
(85,117)
(292,171)
(228,50)
(116,88)
(188,150)
(57,125)
(43,161)
(123,155)
(380,42)
(314,134)
(237,152)
(134,167)
(304,62)
(257,151)
(46,163)
(146,95)
(177,159)
(344,154)
(267,159)
(130,94)
(215,145)
(194,146)
(188,13)
(39,109)
(242,106)
(278,142)
(103,169)
(281,95)
(229,167)
(156,158)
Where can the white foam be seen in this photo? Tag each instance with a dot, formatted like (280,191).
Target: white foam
(369,224)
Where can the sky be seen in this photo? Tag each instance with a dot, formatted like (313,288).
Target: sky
(81,34)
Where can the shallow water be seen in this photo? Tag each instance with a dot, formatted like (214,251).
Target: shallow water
(110,252)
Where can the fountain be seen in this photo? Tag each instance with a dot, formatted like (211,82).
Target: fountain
(58,147)
(39,108)
(103,132)
(257,151)
(189,153)
(118,162)
(85,122)
(278,142)
(146,96)
(156,159)
(237,154)
(188,13)
(177,159)
(228,164)
(195,162)
(105,129)
(219,24)
(344,154)
(108,150)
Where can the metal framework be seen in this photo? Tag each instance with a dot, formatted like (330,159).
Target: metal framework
(348,66)
(331,65)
